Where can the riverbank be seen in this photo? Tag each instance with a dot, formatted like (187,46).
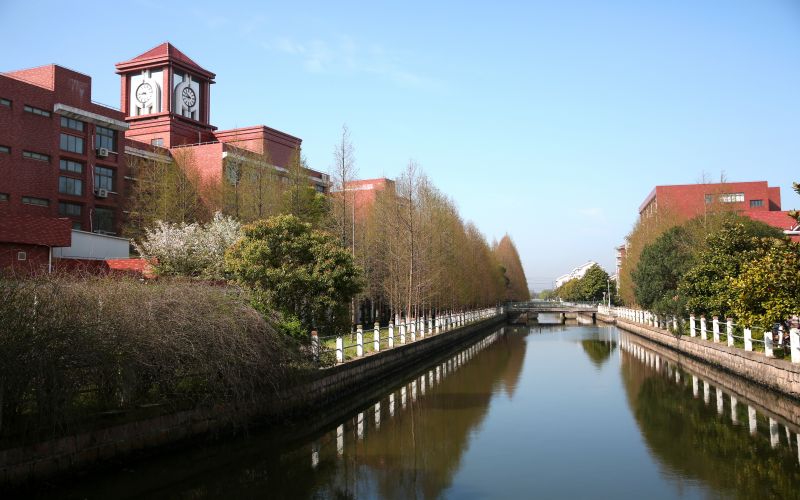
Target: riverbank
(777,374)
(317,392)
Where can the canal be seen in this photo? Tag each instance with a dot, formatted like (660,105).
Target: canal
(551,411)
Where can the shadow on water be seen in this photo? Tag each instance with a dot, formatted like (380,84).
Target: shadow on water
(408,443)
(696,436)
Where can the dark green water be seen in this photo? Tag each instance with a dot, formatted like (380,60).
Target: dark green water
(545,411)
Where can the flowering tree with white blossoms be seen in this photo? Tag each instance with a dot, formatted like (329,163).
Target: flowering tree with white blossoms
(196,250)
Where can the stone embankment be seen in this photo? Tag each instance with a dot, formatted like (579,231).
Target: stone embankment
(777,374)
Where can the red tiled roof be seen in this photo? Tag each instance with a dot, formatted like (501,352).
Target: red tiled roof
(35,230)
(774,218)
(165,51)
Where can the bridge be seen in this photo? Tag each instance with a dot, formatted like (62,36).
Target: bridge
(523,312)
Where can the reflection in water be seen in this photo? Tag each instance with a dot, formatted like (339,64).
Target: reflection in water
(545,411)
(599,351)
(676,417)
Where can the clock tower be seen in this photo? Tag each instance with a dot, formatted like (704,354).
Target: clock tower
(165,98)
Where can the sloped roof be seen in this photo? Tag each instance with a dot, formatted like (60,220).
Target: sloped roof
(35,230)
(164,53)
(774,218)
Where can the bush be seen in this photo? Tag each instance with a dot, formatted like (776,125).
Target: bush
(180,249)
(72,349)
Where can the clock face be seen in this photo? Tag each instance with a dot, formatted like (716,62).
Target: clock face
(188,96)
(144,93)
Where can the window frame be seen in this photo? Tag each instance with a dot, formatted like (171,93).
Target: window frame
(96,218)
(33,155)
(5,149)
(100,176)
(77,140)
(29,200)
(69,204)
(5,102)
(105,137)
(36,111)
(72,124)
(64,181)
(67,161)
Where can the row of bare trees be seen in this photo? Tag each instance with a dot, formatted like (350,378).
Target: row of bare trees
(416,252)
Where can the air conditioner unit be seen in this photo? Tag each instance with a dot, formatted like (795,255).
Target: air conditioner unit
(102,152)
(101,193)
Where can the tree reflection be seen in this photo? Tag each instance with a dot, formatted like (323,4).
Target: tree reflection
(599,351)
(689,436)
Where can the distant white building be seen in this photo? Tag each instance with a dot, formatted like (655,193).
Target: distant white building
(576,273)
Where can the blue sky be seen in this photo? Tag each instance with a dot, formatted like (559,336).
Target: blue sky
(548,120)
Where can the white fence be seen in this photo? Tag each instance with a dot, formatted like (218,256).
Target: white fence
(716,331)
(405,331)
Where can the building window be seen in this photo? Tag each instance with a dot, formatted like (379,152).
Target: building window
(3,196)
(35,156)
(71,186)
(69,209)
(103,178)
(71,166)
(157,142)
(5,102)
(731,198)
(709,199)
(756,203)
(106,138)
(37,111)
(22,256)
(5,149)
(72,123)
(77,225)
(71,143)
(103,220)
(39,202)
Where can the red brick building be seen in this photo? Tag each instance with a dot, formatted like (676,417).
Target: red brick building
(60,153)
(689,200)
(63,156)
(756,200)
(364,192)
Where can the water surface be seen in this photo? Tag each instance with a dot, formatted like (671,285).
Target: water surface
(551,411)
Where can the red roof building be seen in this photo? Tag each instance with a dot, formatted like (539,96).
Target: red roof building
(27,241)
(65,157)
(756,200)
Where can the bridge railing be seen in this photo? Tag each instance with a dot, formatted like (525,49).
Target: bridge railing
(774,343)
(553,304)
(342,348)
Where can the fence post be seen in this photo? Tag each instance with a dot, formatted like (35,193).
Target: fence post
(430,325)
(413,325)
(703,330)
(715,327)
(391,334)
(339,350)
(768,344)
(748,339)
(359,341)
(403,332)
(315,345)
(377,337)
(729,330)
(794,339)
(675,324)
(422,327)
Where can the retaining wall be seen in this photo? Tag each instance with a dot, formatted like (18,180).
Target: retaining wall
(56,456)
(777,374)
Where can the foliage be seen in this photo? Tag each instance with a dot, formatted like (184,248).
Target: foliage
(75,347)
(594,285)
(516,284)
(547,294)
(795,213)
(660,268)
(767,289)
(194,250)
(298,271)
(706,285)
